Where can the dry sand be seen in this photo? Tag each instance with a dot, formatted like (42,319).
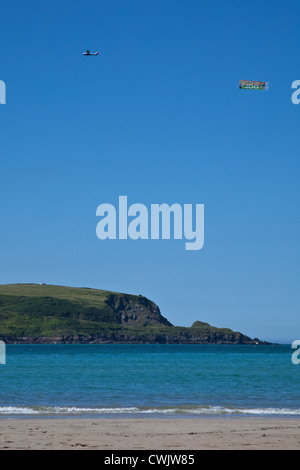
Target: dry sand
(149,434)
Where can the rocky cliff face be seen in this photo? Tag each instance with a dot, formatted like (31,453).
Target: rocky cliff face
(136,311)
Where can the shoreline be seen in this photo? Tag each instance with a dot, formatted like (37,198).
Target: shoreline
(137,416)
(169,433)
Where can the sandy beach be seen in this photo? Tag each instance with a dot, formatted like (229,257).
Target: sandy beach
(149,434)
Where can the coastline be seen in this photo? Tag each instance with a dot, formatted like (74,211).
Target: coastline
(149,433)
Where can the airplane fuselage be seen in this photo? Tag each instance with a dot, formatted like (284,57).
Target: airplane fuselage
(90,53)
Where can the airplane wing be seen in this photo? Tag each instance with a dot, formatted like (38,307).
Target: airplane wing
(87,53)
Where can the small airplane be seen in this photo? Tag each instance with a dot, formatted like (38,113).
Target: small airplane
(87,53)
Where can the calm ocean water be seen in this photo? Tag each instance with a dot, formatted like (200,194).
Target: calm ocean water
(129,380)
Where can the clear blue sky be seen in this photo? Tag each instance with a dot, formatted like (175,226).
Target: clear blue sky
(157,116)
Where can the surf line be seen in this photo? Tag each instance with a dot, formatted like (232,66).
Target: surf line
(114,224)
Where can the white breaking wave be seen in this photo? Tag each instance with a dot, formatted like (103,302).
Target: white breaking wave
(12,410)
(65,410)
(207,410)
(248,411)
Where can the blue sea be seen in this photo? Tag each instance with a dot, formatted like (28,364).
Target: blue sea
(96,380)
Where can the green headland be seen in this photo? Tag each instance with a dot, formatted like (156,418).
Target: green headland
(40,313)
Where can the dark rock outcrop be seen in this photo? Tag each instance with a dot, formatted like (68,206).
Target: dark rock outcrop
(136,311)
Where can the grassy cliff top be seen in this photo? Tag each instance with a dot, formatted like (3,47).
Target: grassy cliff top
(82,294)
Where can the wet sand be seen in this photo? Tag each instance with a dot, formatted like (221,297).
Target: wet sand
(149,434)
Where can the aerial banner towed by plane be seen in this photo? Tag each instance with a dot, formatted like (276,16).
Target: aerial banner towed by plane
(252,85)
